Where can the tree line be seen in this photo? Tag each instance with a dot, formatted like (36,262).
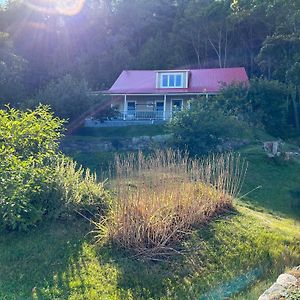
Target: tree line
(61,51)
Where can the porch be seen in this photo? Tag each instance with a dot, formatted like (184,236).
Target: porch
(142,109)
(148,107)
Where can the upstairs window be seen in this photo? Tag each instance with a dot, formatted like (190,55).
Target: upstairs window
(172,80)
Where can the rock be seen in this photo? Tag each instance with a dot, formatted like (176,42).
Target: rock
(272,148)
(273,293)
(286,280)
(284,284)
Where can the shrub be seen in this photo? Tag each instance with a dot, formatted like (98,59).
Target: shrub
(29,140)
(201,128)
(75,189)
(159,199)
(36,180)
(263,103)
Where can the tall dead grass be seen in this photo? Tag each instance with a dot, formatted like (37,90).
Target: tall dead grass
(160,198)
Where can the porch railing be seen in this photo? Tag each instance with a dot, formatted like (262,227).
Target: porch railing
(144,115)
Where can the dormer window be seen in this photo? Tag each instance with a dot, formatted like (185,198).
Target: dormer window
(172,80)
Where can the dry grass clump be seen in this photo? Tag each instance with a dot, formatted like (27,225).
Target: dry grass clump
(158,199)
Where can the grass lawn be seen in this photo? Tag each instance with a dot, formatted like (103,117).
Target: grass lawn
(60,261)
(278,182)
(121,132)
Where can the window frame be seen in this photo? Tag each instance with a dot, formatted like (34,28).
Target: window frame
(174,75)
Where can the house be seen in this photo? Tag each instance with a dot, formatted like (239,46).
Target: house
(157,95)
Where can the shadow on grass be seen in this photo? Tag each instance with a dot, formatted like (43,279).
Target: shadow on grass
(37,260)
(179,277)
(226,256)
(58,261)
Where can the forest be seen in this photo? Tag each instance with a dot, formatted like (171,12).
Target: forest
(54,52)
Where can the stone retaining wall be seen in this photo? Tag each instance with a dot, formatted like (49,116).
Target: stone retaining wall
(287,286)
(118,144)
(70,145)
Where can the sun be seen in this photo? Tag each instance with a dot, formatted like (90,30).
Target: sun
(62,7)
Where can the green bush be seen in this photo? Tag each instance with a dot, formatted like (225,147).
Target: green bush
(202,128)
(28,144)
(37,181)
(264,103)
(75,188)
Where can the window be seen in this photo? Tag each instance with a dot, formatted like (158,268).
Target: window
(171,80)
(130,107)
(159,106)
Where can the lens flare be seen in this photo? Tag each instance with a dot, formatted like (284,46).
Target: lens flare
(62,7)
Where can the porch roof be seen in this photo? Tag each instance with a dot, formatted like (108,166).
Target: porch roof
(201,81)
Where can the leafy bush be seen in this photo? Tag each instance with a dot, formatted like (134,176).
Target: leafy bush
(201,128)
(233,114)
(75,188)
(264,103)
(28,142)
(36,180)
(160,198)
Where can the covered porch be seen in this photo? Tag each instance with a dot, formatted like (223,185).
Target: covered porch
(140,107)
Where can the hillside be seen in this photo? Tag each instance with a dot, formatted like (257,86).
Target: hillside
(60,261)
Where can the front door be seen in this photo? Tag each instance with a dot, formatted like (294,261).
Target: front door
(159,110)
(131,108)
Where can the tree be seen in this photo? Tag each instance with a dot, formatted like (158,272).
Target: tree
(68,97)
(12,69)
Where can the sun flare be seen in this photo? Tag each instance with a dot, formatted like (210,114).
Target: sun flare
(62,7)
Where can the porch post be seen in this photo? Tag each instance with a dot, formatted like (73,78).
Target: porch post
(165,104)
(125,107)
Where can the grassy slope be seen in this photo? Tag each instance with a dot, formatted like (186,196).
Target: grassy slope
(119,132)
(279,180)
(59,261)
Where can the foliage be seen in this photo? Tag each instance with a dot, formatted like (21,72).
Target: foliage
(67,96)
(75,188)
(203,127)
(269,102)
(29,140)
(263,103)
(36,181)
(12,68)
(111,36)
(160,198)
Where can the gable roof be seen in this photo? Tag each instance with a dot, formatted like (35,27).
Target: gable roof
(200,81)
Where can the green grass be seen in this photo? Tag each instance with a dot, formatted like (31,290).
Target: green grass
(96,161)
(278,182)
(121,132)
(60,261)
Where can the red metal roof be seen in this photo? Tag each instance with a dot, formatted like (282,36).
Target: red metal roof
(200,81)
